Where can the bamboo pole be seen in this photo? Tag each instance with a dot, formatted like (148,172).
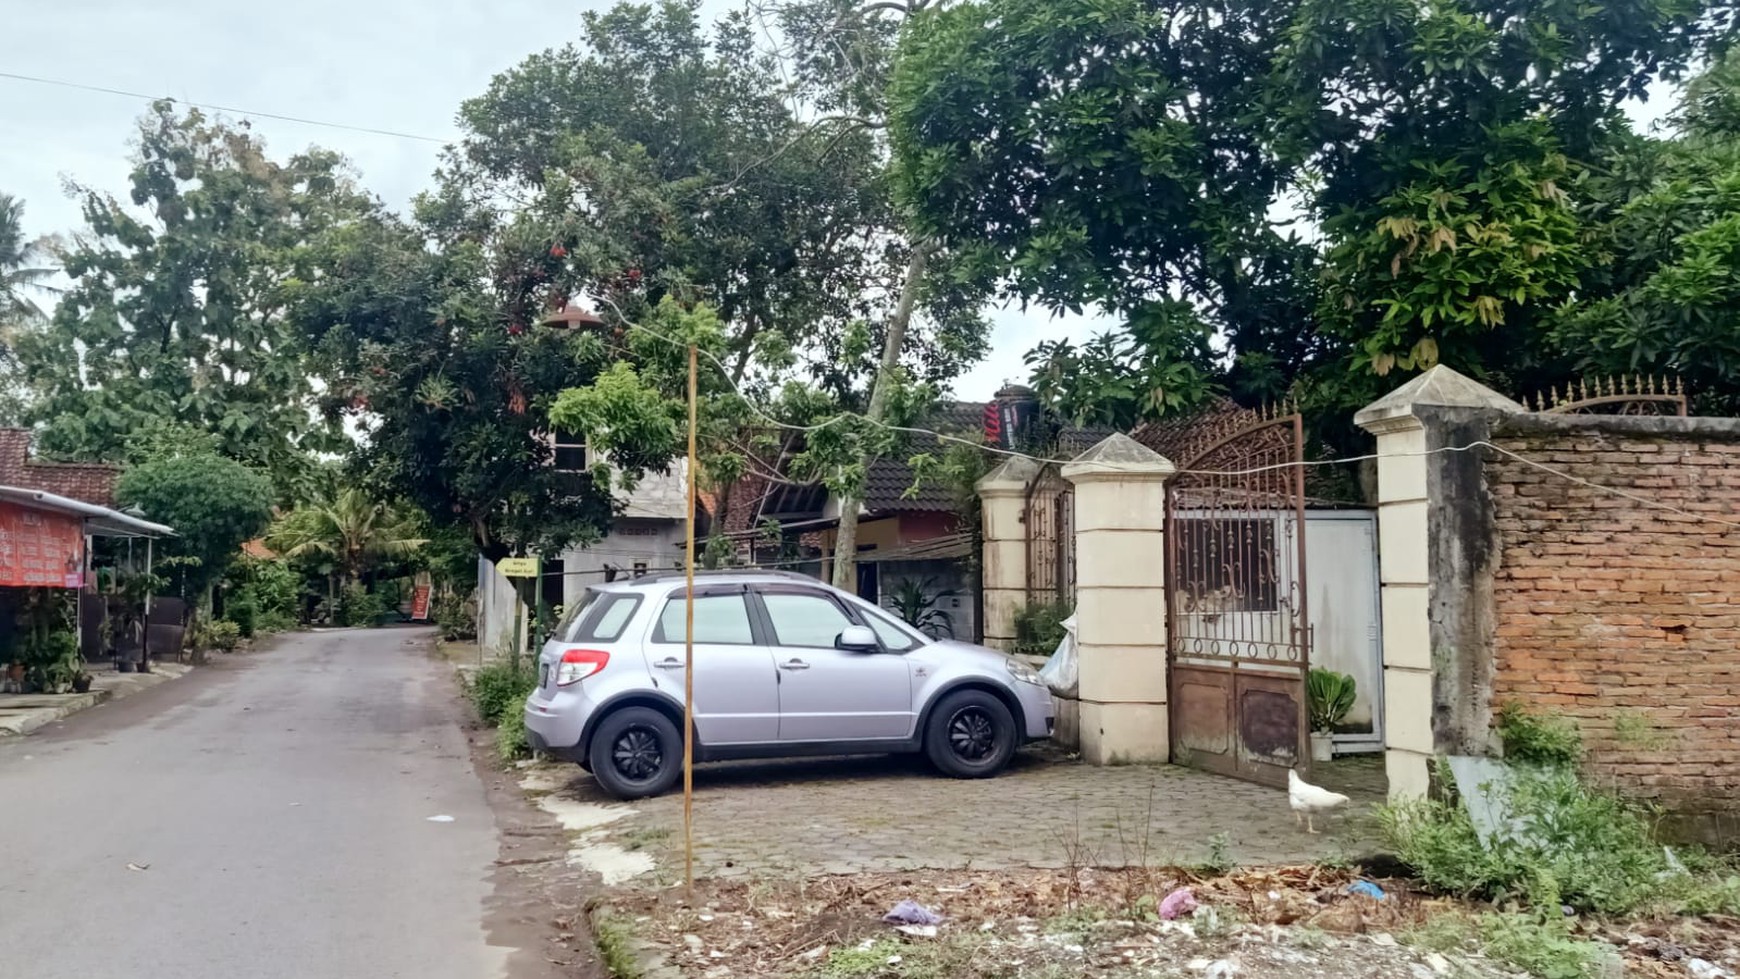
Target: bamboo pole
(689,654)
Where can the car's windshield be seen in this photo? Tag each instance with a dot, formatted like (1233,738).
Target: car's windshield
(895,636)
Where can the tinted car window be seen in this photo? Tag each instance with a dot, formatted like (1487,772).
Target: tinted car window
(718,619)
(572,616)
(804,619)
(612,617)
(893,637)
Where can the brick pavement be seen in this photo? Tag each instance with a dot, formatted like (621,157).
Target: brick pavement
(847,815)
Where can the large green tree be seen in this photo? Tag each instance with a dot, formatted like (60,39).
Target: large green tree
(24,283)
(681,179)
(214,504)
(1335,190)
(176,313)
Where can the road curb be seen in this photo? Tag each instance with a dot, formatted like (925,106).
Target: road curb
(18,723)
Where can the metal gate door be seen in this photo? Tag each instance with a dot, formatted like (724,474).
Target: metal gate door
(1238,644)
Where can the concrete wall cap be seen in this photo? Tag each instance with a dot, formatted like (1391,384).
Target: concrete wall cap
(1009,477)
(1438,387)
(1118,455)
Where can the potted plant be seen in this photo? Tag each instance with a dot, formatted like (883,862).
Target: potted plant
(1329,696)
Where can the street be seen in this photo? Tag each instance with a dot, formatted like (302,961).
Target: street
(277,808)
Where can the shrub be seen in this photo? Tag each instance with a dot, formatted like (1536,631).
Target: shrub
(510,735)
(501,688)
(1568,844)
(357,606)
(1039,627)
(456,617)
(221,635)
(1533,739)
(244,613)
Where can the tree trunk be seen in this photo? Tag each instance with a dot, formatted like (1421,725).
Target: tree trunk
(846,538)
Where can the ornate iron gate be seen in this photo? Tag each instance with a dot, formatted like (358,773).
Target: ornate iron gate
(1049,519)
(1238,643)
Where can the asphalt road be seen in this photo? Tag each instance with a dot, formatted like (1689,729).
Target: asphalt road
(279,801)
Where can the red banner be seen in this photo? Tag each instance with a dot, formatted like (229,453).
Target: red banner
(40,549)
(420,603)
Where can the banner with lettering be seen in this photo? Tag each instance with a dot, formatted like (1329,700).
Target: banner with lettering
(40,549)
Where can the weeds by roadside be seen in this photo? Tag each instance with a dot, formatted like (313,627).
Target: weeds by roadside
(499,691)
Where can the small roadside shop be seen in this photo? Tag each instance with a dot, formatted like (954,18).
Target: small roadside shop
(62,609)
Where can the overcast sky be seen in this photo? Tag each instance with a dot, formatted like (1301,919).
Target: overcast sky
(402,65)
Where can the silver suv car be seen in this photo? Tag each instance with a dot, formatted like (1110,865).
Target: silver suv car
(784,665)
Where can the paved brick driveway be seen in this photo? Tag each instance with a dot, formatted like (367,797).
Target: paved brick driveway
(845,815)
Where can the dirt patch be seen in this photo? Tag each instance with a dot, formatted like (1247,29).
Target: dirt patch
(1287,923)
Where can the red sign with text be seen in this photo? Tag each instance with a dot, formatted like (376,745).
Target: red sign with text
(40,549)
(420,603)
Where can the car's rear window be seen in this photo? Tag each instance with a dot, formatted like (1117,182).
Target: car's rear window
(603,616)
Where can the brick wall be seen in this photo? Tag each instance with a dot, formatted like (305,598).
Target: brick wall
(1621,615)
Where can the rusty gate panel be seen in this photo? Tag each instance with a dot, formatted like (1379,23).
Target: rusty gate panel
(1238,646)
(1049,519)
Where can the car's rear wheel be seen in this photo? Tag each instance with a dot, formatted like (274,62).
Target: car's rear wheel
(636,752)
(970,734)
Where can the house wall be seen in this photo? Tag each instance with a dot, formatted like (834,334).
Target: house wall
(1621,615)
(497,609)
(659,543)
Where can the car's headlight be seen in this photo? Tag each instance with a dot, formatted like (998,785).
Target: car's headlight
(1026,674)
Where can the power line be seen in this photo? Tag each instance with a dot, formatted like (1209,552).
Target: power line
(214,107)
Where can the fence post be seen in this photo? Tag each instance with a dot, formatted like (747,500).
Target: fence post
(1428,582)
(1003,562)
(1120,554)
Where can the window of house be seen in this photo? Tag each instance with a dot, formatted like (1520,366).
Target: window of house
(570,449)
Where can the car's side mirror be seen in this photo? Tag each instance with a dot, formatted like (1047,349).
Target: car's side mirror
(858,639)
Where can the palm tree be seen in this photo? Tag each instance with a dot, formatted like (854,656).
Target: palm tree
(20,276)
(350,532)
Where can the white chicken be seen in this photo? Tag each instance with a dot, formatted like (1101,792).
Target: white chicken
(1306,799)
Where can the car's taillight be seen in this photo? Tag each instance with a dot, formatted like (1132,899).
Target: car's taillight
(578,664)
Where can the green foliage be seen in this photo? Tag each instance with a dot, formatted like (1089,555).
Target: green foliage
(919,605)
(176,311)
(244,613)
(1039,627)
(214,504)
(221,635)
(1461,162)
(351,533)
(501,688)
(510,734)
(357,606)
(1545,947)
(1330,695)
(270,588)
(1571,844)
(455,616)
(1546,739)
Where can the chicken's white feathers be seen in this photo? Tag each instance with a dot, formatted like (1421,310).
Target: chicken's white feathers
(1305,797)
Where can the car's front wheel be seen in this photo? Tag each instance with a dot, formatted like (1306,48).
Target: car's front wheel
(636,752)
(970,734)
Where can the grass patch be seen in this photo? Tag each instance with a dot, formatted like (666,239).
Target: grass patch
(640,839)
(615,947)
(886,958)
(1544,947)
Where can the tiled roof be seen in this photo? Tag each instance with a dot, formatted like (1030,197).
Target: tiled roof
(86,482)
(887,482)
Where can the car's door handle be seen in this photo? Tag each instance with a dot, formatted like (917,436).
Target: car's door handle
(794,664)
(669,663)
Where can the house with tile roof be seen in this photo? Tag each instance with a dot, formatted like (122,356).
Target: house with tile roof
(91,483)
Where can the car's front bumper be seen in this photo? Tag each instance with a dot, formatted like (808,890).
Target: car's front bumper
(1038,709)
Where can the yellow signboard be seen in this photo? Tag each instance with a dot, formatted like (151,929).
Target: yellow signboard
(518,567)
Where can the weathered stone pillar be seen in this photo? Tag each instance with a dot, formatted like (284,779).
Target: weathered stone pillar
(1003,563)
(1435,564)
(1120,523)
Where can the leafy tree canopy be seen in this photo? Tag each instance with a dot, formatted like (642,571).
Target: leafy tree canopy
(1337,190)
(213,503)
(177,309)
